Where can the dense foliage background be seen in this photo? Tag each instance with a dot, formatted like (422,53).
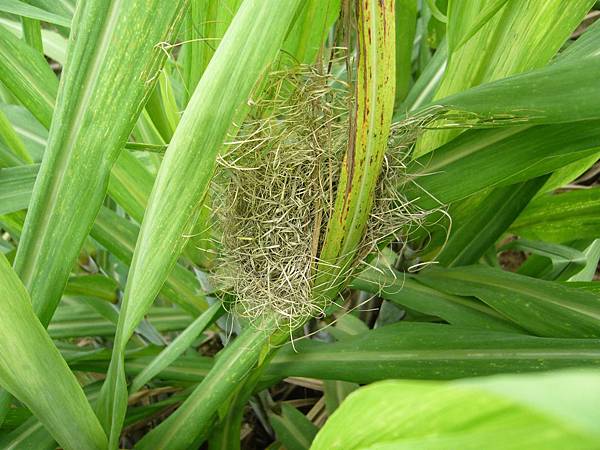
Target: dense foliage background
(113,333)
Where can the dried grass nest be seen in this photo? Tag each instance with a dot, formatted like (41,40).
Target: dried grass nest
(274,190)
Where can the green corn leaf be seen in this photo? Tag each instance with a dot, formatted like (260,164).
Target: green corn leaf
(130,185)
(8,157)
(592,257)
(557,93)
(585,46)
(24,10)
(116,47)
(31,364)
(293,429)
(177,347)
(515,409)
(241,355)
(198,45)
(405,291)
(561,217)
(98,286)
(558,262)
(119,236)
(26,74)
(521,36)
(406,27)
(544,308)
(487,222)
(113,232)
(226,434)
(403,350)
(423,351)
(247,49)
(206,24)
(12,140)
(32,33)
(565,261)
(335,392)
(498,157)
(55,46)
(467,19)
(16,184)
(82,321)
(28,129)
(422,92)
(31,435)
(63,8)
(310,29)
(569,173)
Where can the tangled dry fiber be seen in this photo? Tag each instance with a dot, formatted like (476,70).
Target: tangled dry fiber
(274,192)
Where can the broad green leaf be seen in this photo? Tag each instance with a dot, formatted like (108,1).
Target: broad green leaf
(516,410)
(130,185)
(310,28)
(98,286)
(32,33)
(64,8)
(28,129)
(557,93)
(498,157)
(110,69)
(520,37)
(26,74)
(119,236)
(335,392)
(247,49)
(55,46)
(422,92)
(176,348)
(113,232)
(242,353)
(592,255)
(421,351)
(30,365)
(569,173)
(404,290)
(487,222)
(544,308)
(12,140)
(198,45)
(586,45)
(20,8)
(565,261)
(467,19)
(293,429)
(561,217)
(81,321)
(406,23)
(31,435)
(205,26)
(580,257)
(402,350)
(8,157)
(15,187)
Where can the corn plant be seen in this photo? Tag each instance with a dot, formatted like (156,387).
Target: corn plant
(221,217)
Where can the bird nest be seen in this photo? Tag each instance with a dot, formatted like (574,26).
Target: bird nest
(274,192)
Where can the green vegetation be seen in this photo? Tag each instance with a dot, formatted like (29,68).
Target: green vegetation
(220,218)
